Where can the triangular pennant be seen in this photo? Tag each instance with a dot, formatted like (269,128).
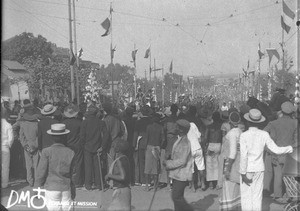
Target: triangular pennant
(171,67)
(286,27)
(287,11)
(147,53)
(73,59)
(260,54)
(133,55)
(80,53)
(271,53)
(112,52)
(106,25)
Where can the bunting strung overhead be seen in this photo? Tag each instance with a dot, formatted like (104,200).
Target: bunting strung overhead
(106,25)
(171,67)
(147,53)
(260,54)
(272,52)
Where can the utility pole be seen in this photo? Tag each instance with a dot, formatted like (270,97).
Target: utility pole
(134,76)
(71,52)
(77,59)
(163,87)
(111,54)
(298,36)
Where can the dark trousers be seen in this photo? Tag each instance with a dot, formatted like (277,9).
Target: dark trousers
(91,165)
(79,166)
(139,160)
(180,203)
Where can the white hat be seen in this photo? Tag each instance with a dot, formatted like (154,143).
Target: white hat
(58,129)
(255,116)
(48,109)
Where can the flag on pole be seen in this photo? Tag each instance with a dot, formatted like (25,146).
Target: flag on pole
(112,52)
(133,55)
(73,59)
(171,67)
(260,54)
(287,11)
(80,53)
(147,53)
(106,25)
(286,27)
(245,73)
(272,52)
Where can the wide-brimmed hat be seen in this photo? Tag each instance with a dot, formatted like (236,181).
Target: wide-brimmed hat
(58,129)
(288,107)
(71,111)
(234,118)
(255,116)
(48,109)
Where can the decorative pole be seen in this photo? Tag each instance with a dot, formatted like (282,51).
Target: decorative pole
(77,59)
(71,52)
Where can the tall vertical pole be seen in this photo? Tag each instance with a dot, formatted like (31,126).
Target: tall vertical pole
(111,56)
(134,76)
(77,59)
(163,86)
(71,51)
(154,69)
(298,36)
(150,65)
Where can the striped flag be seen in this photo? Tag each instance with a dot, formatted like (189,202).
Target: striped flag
(287,11)
(287,17)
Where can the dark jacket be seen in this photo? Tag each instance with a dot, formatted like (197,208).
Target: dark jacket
(56,168)
(44,139)
(140,130)
(73,138)
(93,133)
(114,127)
(155,134)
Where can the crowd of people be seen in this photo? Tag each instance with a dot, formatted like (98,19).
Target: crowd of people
(237,150)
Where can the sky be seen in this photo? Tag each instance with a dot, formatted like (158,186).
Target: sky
(200,37)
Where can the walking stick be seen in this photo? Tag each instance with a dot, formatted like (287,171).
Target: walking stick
(100,170)
(155,190)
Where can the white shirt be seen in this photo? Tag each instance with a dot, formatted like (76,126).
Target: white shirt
(252,144)
(224,108)
(7,136)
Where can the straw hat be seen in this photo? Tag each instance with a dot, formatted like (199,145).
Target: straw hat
(58,129)
(48,109)
(255,116)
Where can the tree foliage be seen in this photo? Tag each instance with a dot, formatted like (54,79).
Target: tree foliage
(26,45)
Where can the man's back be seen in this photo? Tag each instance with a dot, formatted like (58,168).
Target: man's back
(283,131)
